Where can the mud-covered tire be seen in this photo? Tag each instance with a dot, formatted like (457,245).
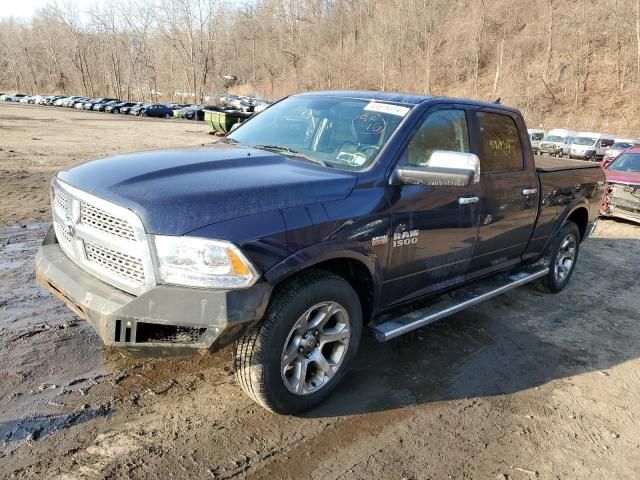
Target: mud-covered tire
(258,356)
(559,271)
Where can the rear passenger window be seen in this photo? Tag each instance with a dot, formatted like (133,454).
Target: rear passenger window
(501,148)
(442,130)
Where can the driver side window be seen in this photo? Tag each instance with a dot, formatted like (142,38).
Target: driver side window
(441,130)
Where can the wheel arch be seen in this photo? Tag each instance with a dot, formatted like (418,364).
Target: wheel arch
(360,268)
(579,216)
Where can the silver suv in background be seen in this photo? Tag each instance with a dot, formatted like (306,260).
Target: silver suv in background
(557,142)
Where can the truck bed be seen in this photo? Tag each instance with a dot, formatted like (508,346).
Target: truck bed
(549,164)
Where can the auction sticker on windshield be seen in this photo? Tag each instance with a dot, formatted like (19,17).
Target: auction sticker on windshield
(387,108)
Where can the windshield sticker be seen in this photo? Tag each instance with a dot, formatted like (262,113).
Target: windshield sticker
(387,108)
(354,159)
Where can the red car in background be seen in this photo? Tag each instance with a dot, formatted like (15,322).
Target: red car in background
(622,193)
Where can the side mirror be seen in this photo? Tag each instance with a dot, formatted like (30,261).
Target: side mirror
(445,168)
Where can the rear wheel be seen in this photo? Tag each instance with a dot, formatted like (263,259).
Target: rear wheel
(563,258)
(304,346)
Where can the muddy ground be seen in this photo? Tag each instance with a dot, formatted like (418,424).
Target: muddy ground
(528,385)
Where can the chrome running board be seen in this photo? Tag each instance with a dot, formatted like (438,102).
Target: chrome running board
(454,302)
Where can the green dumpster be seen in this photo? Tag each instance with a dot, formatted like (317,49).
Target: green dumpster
(222,122)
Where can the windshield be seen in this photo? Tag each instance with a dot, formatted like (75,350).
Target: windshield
(621,146)
(554,138)
(584,141)
(343,133)
(627,162)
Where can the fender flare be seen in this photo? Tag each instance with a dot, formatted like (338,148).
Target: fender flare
(562,219)
(321,252)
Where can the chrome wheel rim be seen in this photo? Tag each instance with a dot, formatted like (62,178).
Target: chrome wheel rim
(315,348)
(566,258)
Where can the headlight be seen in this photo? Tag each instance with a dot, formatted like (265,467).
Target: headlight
(198,262)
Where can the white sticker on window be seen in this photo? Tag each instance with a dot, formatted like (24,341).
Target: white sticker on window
(387,108)
(354,159)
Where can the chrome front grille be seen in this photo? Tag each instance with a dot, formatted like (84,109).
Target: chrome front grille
(101,220)
(120,263)
(628,195)
(104,239)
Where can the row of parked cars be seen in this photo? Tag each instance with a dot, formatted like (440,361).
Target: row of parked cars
(592,146)
(619,157)
(142,109)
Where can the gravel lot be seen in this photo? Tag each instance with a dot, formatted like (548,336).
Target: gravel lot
(529,385)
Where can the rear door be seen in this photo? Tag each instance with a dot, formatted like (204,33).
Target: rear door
(509,191)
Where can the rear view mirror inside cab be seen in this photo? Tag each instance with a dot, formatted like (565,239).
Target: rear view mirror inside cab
(445,168)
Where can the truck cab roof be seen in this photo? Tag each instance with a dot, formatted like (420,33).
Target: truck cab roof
(410,99)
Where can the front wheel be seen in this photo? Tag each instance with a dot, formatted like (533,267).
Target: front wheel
(563,257)
(304,345)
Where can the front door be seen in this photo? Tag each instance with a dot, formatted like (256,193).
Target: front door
(433,228)
(509,193)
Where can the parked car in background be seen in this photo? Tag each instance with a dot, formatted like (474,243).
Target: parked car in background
(535,137)
(556,142)
(135,110)
(190,112)
(157,110)
(127,108)
(622,192)
(13,97)
(60,101)
(101,106)
(91,103)
(76,102)
(26,99)
(55,99)
(619,146)
(590,145)
(116,106)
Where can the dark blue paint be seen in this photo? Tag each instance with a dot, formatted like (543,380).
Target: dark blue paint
(288,215)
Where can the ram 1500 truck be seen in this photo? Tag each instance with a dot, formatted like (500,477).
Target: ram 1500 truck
(315,219)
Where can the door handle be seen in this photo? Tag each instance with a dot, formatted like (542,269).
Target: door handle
(468,200)
(529,191)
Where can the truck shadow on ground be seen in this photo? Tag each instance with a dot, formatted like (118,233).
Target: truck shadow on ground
(515,342)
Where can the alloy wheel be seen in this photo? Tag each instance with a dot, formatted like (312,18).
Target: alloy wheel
(565,258)
(315,348)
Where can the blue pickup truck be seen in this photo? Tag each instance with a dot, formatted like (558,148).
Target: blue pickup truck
(325,215)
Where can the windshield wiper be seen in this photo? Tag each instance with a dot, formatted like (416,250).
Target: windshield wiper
(290,152)
(229,140)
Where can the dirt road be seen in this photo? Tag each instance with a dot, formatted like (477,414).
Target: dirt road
(528,385)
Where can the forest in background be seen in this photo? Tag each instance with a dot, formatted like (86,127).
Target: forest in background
(563,63)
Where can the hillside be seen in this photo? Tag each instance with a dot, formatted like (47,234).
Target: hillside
(563,63)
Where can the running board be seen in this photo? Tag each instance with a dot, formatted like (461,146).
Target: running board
(454,302)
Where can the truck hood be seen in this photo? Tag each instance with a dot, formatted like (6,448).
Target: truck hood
(622,177)
(177,191)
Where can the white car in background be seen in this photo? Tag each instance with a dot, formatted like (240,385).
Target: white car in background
(590,145)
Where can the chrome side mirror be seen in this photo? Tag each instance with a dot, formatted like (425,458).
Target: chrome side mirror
(445,168)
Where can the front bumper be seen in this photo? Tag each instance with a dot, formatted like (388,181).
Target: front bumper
(581,153)
(621,201)
(550,149)
(164,320)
